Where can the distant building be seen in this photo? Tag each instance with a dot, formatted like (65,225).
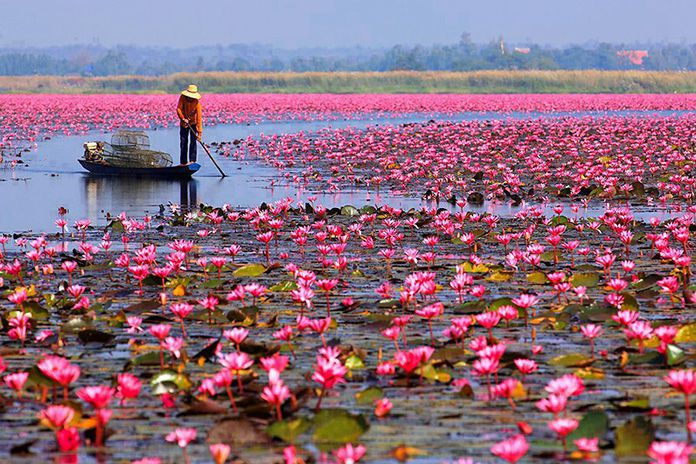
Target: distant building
(522,50)
(634,56)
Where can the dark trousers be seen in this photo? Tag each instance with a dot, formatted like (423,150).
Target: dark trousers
(187,143)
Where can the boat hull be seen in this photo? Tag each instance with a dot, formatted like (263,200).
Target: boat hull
(172,172)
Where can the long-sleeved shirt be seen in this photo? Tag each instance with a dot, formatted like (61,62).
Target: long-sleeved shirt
(190,108)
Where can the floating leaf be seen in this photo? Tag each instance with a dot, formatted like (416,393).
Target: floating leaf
(237,432)
(151,358)
(354,362)
(38,312)
(95,336)
(431,373)
(638,404)
(145,305)
(169,376)
(250,270)
(211,283)
(593,424)
(537,277)
(592,313)
(36,377)
(289,429)
(652,357)
(471,307)
(630,303)
(284,286)
(500,276)
(571,360)
(504,301)
(646,282)
(585,279)
(204,406)
(338,426)
(349,210)
(590,373)
(389,303)
(369,395)
(474,269)
(686,334)
(633,438)
(675,355)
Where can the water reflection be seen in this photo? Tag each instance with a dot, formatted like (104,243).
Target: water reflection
(104,194)
(188,197)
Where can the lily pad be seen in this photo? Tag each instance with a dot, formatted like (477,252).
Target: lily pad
(675,355)
(250,270)
(338,426)
(500,276)
(284,286)
(686,334)
(237,432)
(594,423)
(585,279)
(571,360)
(633,437)
(169,376)
(349,210)
(354,363)
(537,277)
(369,395)
(289,429)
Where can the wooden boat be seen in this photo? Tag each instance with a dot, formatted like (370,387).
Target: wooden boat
(180,171)
(129,155)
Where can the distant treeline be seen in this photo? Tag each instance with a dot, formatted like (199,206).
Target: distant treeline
(92,60)
(368,82)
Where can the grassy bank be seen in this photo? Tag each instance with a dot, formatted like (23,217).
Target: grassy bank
(367,82)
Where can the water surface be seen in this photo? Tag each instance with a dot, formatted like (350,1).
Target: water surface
(52,178)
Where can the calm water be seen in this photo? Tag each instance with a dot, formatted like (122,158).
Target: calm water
(52,178)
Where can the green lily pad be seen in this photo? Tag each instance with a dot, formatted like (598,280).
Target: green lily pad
(500,276)
(289,429)
(349,210)
(151,358)
(338,426)
(647,282)
(211,283)
(686,334)
(38,312)
(675,355)
(537,277)
(369,395)
(354,363)
(594,423)
(250,270)
(284,286)
(571,360)
(585,279)
(474,269)
(166,378)
(633,437)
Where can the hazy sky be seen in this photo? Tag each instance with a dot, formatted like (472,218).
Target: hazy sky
(333,23)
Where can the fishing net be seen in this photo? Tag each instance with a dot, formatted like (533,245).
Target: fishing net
(128,148)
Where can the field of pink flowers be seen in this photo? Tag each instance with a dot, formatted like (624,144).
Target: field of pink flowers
(28,118)
(292,333)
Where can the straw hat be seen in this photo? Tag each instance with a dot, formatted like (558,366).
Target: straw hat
(191,92)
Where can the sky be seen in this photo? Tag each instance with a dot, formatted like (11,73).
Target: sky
(338,23)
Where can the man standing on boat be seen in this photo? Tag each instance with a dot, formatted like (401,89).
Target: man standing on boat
(191,123)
